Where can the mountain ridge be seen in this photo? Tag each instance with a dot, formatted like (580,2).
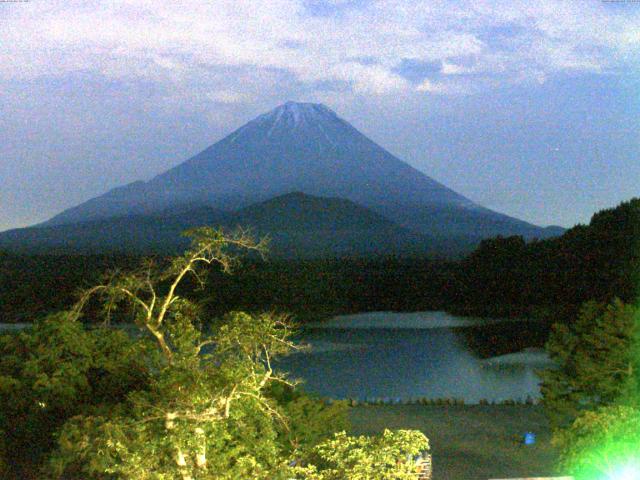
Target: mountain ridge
(299,226)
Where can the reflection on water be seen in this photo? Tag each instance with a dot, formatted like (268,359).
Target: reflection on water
(408,363)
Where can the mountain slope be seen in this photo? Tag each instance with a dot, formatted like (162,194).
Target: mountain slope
(452,221)
(295,147)
(303,147)
(299,225)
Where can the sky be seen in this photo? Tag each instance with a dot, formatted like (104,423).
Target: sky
(530,108)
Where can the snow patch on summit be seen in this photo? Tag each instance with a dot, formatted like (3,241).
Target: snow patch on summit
(294,115)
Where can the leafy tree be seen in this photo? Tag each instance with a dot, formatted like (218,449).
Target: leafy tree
(212,409)
(596,362)
(310,421)
(206,411)
(142,290)
(386,457)
(602,444)
(58,369)
(206,414)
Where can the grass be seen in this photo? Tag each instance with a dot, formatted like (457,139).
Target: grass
(472,442)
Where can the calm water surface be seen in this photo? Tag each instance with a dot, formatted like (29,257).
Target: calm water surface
(367,356)
(404,356)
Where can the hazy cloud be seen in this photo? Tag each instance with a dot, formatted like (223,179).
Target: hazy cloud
(316,41)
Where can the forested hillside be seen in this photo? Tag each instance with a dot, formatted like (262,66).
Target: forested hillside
(599,261)
(548,279)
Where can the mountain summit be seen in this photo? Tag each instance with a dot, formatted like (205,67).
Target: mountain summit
(306,148)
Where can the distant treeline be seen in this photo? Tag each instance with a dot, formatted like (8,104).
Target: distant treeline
(503,277)
(552,278)
(34,285)
(31,286)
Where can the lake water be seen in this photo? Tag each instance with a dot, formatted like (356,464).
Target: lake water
(405,356)
(408,356)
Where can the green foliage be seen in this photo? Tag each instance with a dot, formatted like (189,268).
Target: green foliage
(4,467)
(58,369)
(177,402)
(211,409)
(602,444)
(552,278)
(31,286)
(386,457)
(309,420)
(597,362)
(205,414)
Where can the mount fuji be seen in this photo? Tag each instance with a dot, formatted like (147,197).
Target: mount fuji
(305,148)
(301,147)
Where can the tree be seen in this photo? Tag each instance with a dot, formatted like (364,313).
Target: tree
(4,468)
(205,415)
(206,411)
(141,290)
(390,456)
(310,421)
(179,399)
(55,370)
(602,444)
(596,362)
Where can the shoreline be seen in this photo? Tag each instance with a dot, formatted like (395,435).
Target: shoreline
(407,320)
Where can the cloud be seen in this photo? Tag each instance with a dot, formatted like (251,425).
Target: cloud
(449,68)
(458,87)
(227,96)
(405,42)
(369,79)
(417,70)
(429,86)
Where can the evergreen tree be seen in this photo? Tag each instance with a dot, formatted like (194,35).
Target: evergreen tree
(596,359)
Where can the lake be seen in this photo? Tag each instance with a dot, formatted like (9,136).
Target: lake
(404,356)
(407,356)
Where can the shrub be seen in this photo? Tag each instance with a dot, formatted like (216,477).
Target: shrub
(601,444)
(386,457)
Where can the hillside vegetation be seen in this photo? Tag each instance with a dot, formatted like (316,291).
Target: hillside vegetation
(504,277)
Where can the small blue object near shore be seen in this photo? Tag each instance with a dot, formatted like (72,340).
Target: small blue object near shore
(529,438)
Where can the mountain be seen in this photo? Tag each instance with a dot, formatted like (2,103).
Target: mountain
(301,225)
(298,225)
(297,147)
(301,147)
